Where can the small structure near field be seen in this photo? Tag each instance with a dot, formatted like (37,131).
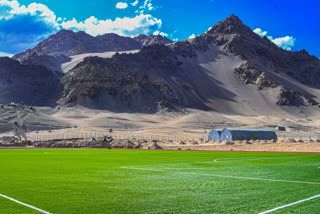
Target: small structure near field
(92,140)
(214,135)
(247,134)
(108,138)
(280,128)
(200,140)
(153,146)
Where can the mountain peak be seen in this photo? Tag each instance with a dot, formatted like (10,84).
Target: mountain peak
(230,25)
(233,18)
(152,39)
(303,52)
(142,36)
(64,32)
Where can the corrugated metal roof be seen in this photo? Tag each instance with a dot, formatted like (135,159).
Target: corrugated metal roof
(281,128)
(247,134)
(214,135)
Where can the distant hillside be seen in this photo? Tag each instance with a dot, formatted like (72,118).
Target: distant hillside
(228,69)
(28,84)
(52,63)
(68,43)
(220,66)
(146,81)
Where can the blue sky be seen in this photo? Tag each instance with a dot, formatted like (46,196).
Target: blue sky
(292,25)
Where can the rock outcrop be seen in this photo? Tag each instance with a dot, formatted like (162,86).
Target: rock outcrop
(288,97)
(123,144)
(148,81)
(152,39)
(71,144)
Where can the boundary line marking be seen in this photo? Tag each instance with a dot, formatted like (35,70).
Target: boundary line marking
(241,159)
(288,205)
(24,204)
(223,176)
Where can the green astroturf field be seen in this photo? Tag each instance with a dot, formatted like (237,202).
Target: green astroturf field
(138,181)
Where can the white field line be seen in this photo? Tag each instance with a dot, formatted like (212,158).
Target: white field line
(222,176)
(174,164)
(288,205)
(266,158)
(184,168)
(219,160)
(24,204)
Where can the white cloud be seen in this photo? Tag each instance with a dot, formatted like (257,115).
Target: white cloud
(7,7)
(121,5)
(192,36)
(13,8)
(286,42)
(147,5)
(37,22)
(5,54)
(140,24)
(260,32)
(135,3)
(160,33)
(175,39)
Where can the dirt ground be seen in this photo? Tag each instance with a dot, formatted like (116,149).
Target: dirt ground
(190,125)
(281,147)
(168,128)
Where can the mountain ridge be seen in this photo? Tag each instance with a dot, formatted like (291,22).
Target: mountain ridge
(228,68)
(68,43)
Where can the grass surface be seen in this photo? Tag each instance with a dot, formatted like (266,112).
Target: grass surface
(95,181)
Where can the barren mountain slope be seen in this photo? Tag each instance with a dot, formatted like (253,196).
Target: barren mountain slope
(229,69)
(69,43)
(28,84)
(40,119)
(260,54)
(145,81)
(76,59)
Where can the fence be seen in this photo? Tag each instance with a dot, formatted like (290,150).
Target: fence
(46,137)
(88,135)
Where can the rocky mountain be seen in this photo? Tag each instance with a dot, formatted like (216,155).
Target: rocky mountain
(266,65)
(146,81)
(28,84)
(228,69)
(69,43)
(152,39)
(52,63)
(238,39)
(197,73)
